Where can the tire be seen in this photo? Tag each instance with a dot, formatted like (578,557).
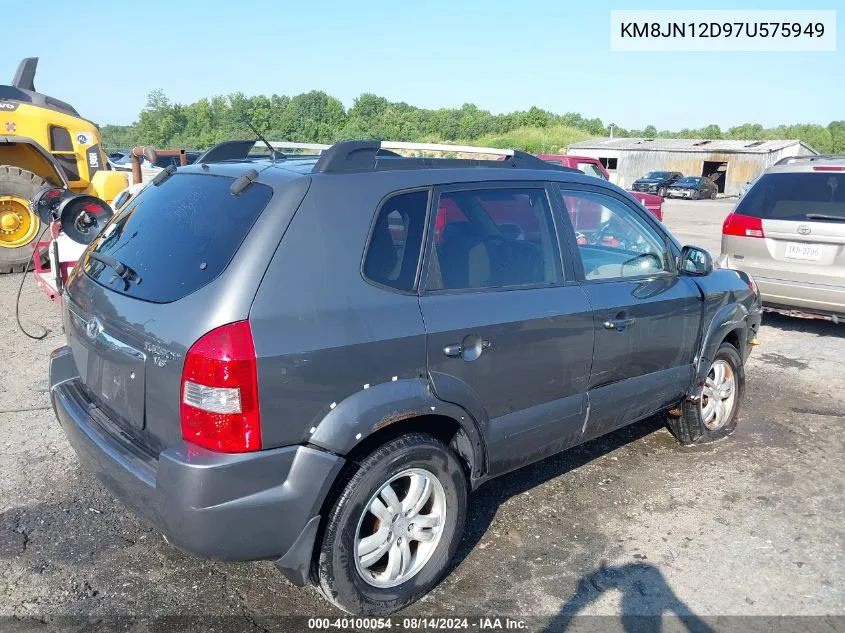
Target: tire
(22,184)
(349,520)
(691,427)
(661,192)
(696,195)
(713,195)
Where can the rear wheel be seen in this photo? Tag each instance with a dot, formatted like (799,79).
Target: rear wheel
(394,528)
(18,225)
(715,414)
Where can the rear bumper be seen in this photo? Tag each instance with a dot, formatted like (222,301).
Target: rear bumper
(261,505)
(686,193)
(798,296)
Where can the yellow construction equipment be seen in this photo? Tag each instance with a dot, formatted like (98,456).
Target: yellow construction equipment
(43,141)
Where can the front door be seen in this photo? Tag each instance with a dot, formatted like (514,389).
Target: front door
(509,330)
(647,317)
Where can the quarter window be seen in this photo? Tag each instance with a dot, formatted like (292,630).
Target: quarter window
(393,252)
(493,238)
(613,240)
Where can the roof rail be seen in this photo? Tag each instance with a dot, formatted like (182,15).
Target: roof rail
(376,155)
(788,160)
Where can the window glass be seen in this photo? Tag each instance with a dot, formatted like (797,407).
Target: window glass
(614,241)
(393,252)
(591,170)
(798,196)
(205,225)
(60,139)
(493,238)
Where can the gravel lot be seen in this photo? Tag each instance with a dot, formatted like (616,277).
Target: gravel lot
(630,524)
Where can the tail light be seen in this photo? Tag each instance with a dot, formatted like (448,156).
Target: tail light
(828,168)
(219,406)
(742,226)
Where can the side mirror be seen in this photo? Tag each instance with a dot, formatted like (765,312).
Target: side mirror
(695,261)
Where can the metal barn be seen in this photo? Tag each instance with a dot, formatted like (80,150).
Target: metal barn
(730,164)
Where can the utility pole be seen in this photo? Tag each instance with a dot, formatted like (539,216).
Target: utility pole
(611,126)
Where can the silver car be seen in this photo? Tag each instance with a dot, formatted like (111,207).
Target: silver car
(788,233)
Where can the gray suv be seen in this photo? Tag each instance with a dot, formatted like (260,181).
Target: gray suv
(314,360)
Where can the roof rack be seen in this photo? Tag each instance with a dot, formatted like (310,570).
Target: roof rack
(788,160)
(240,150)
(379,155)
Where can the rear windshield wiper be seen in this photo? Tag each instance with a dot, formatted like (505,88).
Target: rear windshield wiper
(823,216)
(123,271)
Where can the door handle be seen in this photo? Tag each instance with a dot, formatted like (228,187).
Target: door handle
(617,324)
(469,349)
(453,351)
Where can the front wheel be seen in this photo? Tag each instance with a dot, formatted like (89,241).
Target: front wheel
(394,528)
(715,413)
(661,192)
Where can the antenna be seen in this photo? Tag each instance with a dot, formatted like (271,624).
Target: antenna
(260,138)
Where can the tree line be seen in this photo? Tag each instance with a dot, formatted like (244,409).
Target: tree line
(317,117)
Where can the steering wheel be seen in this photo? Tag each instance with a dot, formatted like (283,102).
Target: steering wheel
(606,230)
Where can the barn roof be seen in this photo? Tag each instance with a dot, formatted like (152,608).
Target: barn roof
(688,145)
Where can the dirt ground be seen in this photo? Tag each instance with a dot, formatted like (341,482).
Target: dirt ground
(627,525)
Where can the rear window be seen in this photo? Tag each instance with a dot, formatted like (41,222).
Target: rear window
(178,236)
(801,196)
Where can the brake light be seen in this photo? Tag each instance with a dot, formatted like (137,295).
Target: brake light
(219,400)
(742,226)
(827,168)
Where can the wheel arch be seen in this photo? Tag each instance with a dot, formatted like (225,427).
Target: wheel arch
(729,324)
(355,426)
(28,154)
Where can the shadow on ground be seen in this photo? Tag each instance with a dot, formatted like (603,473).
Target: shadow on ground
(485,502)
(646,599)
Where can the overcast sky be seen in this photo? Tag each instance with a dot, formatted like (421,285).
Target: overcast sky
(104,57)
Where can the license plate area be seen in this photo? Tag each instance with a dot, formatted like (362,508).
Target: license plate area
(803,251)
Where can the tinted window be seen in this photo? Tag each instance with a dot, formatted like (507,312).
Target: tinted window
(493,238)
(164,161)
(393,252)
(796,196)
(60,139)
(614,241)
(657,174)
(177,236)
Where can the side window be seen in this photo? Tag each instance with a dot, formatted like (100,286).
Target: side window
(393,252)
(60,139)
(591,170)
(613,240)
(493,238)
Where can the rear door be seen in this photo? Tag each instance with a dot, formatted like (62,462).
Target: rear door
(647,317)
(803,217)
(507,324)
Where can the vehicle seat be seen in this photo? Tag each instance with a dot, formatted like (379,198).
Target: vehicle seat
(463,257)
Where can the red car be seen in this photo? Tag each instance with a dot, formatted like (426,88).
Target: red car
(593,167)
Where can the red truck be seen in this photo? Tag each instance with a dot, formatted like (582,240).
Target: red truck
(593,167)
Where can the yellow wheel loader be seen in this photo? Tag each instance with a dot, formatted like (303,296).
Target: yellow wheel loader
(43,142)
